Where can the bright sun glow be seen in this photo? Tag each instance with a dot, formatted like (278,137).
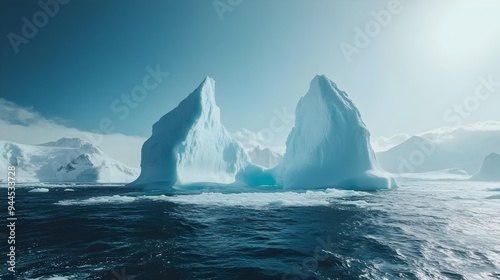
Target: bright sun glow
(467,28)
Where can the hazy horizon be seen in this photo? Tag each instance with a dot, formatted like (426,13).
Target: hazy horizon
(409,66)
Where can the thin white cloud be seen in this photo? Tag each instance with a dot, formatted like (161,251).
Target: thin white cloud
(14,114)
(481,138)
(446,133)
(26,126)
(250,140)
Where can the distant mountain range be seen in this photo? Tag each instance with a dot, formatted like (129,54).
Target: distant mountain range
(455,149)
(64,160)
(417,155)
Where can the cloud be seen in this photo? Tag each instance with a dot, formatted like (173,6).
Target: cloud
(250,140)
(446,133)
(11,113)
(481,138)
(26,126)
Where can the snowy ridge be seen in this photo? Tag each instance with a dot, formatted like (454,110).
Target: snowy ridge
(74,143)
(253,200)
(330,144)
(65,160)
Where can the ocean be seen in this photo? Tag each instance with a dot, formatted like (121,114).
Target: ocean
(426,229)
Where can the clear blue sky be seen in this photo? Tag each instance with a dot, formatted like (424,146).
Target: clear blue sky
(262,55)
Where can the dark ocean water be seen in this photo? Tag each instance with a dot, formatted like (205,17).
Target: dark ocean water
(423,230)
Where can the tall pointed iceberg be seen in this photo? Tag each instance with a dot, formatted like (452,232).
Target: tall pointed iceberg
(330,145)
(190,145)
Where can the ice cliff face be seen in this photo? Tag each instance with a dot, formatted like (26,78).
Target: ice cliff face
(190,145)
(330,145)
(490,170)
(65,160)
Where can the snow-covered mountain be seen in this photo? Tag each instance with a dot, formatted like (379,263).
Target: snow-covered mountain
(417,155)
(479,139)
(490,169)
(65,160)
(444,148)
(330,144)
(265,157)
(190,145)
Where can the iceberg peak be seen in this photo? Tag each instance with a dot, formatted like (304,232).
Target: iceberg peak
(325,83)
(200,104)
(330,93)
(205,93)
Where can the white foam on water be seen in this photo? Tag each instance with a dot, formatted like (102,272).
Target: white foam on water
(56,277)
(115,199)
(40,190)
(62,185)
(247,200)
(361,203)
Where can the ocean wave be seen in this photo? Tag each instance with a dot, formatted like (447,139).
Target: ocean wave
(40,190)
(246,200)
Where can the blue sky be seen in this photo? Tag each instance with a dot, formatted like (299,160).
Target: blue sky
(422,62)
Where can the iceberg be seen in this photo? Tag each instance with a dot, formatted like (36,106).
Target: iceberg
(330,145)
(490,169)
(190,145)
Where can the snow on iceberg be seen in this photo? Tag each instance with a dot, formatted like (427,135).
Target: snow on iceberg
(490,170)
(190,145)
(330,145)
